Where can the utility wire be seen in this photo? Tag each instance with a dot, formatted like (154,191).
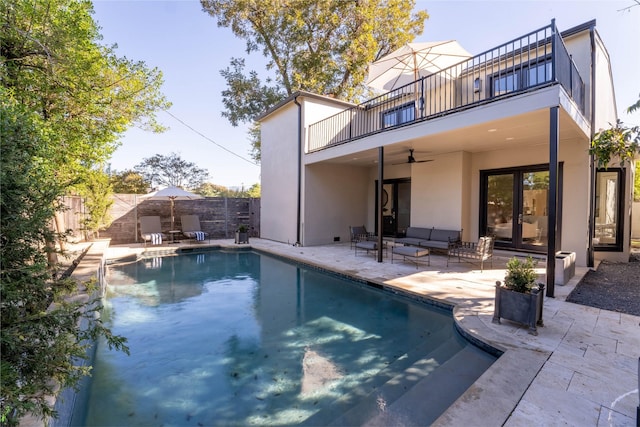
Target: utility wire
(211,140)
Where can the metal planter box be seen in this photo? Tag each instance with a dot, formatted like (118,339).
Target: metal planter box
(242,237)
(524,308)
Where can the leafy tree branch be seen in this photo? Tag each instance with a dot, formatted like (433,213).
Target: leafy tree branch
(171,170)
(322,47)
(64,101)
(619,142)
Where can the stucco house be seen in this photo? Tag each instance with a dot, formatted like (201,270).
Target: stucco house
(496,144)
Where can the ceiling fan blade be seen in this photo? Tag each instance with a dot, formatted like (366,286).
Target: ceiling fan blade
(411,159)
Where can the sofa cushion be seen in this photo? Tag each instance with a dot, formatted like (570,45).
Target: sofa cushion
(445,235)
(436,244)
(409,241)
(419,233)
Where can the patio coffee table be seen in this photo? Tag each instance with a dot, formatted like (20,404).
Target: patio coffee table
(411,254)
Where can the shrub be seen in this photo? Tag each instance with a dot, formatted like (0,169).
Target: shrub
(521,276)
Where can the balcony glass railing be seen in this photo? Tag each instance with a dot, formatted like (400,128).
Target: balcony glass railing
(537,59)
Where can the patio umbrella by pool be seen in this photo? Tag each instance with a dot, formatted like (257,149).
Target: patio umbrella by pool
(172,194)
(413,61)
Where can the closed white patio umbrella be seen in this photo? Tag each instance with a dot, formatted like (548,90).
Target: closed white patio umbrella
(413,61)
(172,194)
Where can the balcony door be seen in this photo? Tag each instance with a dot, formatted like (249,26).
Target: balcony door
(514,207)
(396,206)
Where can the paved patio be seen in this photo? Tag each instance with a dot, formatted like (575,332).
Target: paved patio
(581,369)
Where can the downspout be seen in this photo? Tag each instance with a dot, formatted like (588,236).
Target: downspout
(592,160)
(299,207)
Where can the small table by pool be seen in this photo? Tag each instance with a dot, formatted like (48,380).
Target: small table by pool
(172,233)
(411,254)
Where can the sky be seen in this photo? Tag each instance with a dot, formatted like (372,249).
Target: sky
(186,44)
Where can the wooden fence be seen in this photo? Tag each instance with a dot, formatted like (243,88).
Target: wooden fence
(219,216)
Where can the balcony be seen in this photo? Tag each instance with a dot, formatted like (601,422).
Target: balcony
(535,60)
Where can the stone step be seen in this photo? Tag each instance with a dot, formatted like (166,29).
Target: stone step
(383,397)
(406,361)
(431,396)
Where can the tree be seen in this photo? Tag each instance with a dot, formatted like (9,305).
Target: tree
(171,170)
(208,189)
(618,142)
(64,100)
(41,331)
(254,191)
(96,191)
(129,182)
(634,107)
(317,46)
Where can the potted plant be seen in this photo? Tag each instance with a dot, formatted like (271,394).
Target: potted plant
(520,298)
(242,234)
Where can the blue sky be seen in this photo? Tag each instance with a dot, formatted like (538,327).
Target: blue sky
(189,48)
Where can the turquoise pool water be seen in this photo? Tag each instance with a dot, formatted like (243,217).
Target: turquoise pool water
(242,338)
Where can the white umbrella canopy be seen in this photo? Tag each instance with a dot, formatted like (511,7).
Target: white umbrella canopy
(413,61)
(172,194)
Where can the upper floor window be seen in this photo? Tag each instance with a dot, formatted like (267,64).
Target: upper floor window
(521,77)
(396,116)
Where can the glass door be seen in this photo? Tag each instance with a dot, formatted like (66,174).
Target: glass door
(515,207)
(396,207)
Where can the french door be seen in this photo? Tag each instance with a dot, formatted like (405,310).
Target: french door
(514,206)
(396,206)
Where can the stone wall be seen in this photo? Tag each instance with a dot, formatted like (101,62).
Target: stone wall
(219,216)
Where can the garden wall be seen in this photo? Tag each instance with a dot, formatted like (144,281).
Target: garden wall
(219,216)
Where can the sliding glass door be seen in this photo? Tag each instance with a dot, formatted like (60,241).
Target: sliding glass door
(514,207)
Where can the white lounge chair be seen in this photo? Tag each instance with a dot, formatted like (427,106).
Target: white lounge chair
(191,228)
(151,230)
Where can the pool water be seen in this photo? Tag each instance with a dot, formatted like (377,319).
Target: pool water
(242,338)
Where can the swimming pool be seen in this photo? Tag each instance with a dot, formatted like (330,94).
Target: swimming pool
(243,338)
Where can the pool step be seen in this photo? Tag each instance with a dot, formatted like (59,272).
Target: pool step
(418,363)
(423,403)
(383,397)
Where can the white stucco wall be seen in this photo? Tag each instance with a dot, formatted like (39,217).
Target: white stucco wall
(437,192)
(279,161)
(605,109)
(335,198)
(635,221)
(579,47)
(279,175)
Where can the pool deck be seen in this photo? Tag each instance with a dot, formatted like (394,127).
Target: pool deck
(581,368)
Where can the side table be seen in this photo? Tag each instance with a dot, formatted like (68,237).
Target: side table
(172,233)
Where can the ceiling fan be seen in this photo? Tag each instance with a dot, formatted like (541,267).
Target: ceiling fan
(411,159)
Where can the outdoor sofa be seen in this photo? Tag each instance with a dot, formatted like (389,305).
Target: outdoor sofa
(431,238)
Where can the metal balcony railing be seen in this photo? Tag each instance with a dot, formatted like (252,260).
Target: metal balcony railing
(529,62)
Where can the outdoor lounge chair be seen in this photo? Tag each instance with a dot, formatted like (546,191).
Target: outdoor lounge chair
(151,230)
(471,251)
(360,234)
(191,228)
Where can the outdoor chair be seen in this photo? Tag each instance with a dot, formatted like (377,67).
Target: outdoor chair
(369,245)
(471,251)
(151,230)
(360,234)
(191,228)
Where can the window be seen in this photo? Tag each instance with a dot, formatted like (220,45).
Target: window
(399,115)
(505,83)
(607,234)
(539,73)
(521,77)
